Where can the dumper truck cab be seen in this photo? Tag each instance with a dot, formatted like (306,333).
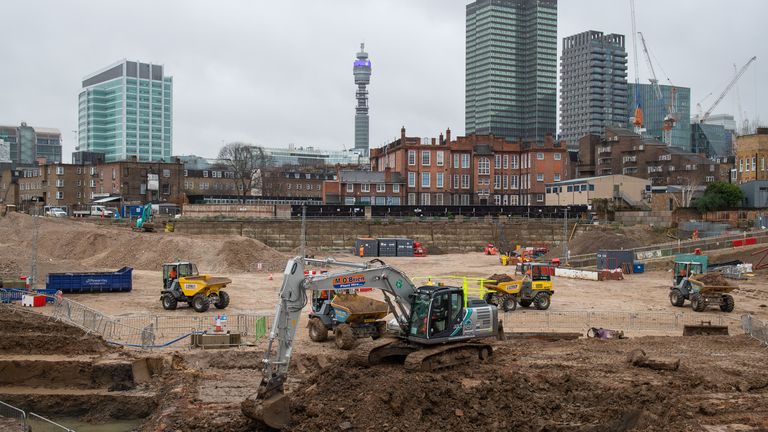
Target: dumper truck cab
(182,282)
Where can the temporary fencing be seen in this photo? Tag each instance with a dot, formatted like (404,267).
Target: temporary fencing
(41,424)
(755,328)
(155,331)
(12,418)
(643,322)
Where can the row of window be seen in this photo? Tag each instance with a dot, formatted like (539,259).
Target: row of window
(462,160)
(571,188)
(744,164)
(310,186)
(366,187)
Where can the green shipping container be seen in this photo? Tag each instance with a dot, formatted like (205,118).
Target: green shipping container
(686,257)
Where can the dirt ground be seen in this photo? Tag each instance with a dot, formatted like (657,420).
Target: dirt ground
(581,385)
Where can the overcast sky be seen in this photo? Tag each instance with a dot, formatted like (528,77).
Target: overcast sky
(279,72)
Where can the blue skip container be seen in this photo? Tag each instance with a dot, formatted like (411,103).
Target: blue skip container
(94,282)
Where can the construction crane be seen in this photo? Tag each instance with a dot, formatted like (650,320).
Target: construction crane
(672,116)
(742,127)
(637,120)
(699,111)
(730,85)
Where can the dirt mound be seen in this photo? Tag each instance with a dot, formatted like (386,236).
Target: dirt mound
(76,246)
(500,277)
(25,332)
(713,279)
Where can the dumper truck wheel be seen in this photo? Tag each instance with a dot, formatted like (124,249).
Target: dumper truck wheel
(526,303)
(169,302)
(200,303)
(223,300)
(676,298)
(697,303)
(541,301)
(345,337)
(727,303)
(318,332)
(509,304)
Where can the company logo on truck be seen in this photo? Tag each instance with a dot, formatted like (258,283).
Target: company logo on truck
(96,282)
(350,281)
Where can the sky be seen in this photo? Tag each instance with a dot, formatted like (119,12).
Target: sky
(277,72)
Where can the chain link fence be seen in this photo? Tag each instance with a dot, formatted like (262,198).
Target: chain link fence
(41,424)
(661,323)
(12,418)
(755,328)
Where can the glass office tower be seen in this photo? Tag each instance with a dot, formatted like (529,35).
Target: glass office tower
(511,68)
(125,110)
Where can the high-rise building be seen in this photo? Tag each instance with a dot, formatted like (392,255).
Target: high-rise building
(362,72)
(593,87)
(511,68)
(655,110)
(125,110)
(28,144)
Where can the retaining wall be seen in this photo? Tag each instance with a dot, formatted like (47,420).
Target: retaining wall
(438,236)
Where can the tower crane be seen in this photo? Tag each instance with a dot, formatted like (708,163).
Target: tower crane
(743,128)
(730,85)
(637,120)
(672,116)
(699,111)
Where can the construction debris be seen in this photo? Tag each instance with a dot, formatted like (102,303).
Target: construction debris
(638,358)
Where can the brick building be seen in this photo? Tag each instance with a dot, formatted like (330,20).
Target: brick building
(751,155)
(296,182)
(365,187)
(475,169)
(209,183)
(141,182)
(624,152)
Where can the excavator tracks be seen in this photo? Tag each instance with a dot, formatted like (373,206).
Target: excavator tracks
(417,357)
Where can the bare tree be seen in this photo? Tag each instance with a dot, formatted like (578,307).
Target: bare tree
(245,161)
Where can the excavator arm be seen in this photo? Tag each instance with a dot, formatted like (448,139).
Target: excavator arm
(270,404)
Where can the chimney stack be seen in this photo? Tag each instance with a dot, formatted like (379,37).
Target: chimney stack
(448,135)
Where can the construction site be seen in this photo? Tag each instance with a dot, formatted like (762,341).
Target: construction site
(567,351)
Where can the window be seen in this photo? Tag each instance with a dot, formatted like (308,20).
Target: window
(506,182)
(205,174)
(497,199)
(411,157)
(484,166)
(411,198)
(425,157)
(539,177)
(455,181)
(465,160)
(754,163)
(539,156)
(298,186)
(741,165)
(60,170)
(540,198)
(79,195)
(166,189)
(465,181)
(79,170)
(425,179)
(93,183)
(59,183)
(365,187)
(570,189)
(506,200)
(710,179)
(497,181)
(395,188)
(288,187)
(59,195)
(425,199)
(439,199)
(350,187)
(513,182)
(557,177)
(762,164)
(514,162)
(558,156)
(455,160)
(464,199)
(711,167)
(381,187)
(439,180)
(746,164)
(497,162)
(440,158)
(411,179)
(665,157)
(93,170)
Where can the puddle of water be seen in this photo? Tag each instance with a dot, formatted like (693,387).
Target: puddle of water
(112,426)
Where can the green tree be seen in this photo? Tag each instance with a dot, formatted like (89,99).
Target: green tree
(720,195)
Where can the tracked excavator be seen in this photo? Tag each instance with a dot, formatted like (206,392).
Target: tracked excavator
(436,327)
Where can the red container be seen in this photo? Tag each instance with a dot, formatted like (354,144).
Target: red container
(750,241)
(737,243)
(38,301)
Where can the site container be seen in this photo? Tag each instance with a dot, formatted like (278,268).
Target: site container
(387,247)
(94,282)
(615,259)
(405,247)
(370,247)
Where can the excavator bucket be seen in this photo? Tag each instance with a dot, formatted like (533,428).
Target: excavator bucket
(273,411)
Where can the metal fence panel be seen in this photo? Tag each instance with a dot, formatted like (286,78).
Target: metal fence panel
(41,424)
(755,328)
(12,418)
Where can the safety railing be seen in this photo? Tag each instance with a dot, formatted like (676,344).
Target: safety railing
(474,288)
(93,321)
(41,424)
(755,328)
(653,322)
(12,418)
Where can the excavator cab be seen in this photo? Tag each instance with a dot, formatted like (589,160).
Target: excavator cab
(441,312)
